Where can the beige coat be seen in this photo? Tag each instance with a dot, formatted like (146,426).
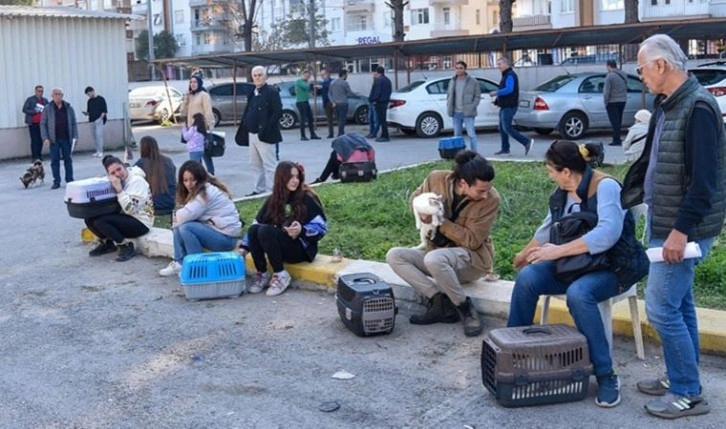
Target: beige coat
(200,102)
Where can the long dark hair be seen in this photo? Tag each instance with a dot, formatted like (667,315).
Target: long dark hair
(471,166)
(153,165)
(281,196)
(199,122)
(568,154)
(196,169)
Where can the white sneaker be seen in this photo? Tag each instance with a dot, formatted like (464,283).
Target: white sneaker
(280,281)
(174,268)
(259,283)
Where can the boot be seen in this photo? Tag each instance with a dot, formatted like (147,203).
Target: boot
(470,317)
(448,310)
(434,311)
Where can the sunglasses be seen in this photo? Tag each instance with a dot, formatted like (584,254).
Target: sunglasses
(639,69)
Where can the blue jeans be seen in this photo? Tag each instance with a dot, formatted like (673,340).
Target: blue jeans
(373,124)
(341,113)
(193,237)
(64,147)
(582,297)
(672,312)
(506,115)
(461,120)
(198,156)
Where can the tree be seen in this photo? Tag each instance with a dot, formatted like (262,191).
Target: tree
(17,2)
(294,31)
(165,45)
(631,11)
(505,16)
(397,8)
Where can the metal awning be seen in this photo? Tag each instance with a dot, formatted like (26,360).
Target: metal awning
(615,34)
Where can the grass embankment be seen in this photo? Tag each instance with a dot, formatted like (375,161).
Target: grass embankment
(367,219)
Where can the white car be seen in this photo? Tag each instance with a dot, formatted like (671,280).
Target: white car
(151,103)
(713,77)
(421,108)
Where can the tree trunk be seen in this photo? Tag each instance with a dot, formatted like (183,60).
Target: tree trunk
(631,11)
(505,16)
(397,9)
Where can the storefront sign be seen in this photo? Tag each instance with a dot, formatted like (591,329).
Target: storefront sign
(369,40)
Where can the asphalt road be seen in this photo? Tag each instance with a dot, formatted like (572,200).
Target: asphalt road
(93,343)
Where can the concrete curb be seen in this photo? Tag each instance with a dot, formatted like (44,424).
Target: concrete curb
(489,298)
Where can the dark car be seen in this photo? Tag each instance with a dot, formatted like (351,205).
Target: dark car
(357,107)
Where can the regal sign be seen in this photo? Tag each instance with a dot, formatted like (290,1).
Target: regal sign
(369,40)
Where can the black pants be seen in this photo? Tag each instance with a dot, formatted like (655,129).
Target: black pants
(36,143)
(279,247)
(332,167)
(329,117)
(306,116)
(381,109)
(341,111)
(116,227)
(615,114)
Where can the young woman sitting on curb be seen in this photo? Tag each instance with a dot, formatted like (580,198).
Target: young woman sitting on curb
(206,218)
(287,229)
(135,218)
(160,174)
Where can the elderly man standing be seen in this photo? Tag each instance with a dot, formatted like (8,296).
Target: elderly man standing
(462,101)
(33,109)
(615,94)
(681,176)
(59,129)
(339,93)
(260,130)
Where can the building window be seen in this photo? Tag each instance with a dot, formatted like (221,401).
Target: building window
(447,15)
(478,17)
(207,38)
(297,6)
(419,16)
(668,1)
(567,6)
(179,16)
(157,19)
(611,4)
(654,2)
(357,23)
(335,24)
(495,19)
(387,19)
(180,39)
(198,39)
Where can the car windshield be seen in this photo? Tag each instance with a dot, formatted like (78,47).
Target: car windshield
(553,85)
(144,92)
(709,76)
(412,86)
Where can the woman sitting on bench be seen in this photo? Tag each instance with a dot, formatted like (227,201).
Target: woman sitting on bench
(134,219)
(287,229)
(206,218)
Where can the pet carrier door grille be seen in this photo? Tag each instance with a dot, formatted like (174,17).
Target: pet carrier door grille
(378,314)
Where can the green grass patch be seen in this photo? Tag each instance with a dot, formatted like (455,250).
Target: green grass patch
(367,219)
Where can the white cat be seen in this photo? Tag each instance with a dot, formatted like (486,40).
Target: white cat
(431,204)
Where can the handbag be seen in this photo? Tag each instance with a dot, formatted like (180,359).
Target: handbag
(213,145)
(241,137)
(570,228)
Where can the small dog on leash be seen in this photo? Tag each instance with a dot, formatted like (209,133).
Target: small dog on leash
(34,174)
(431,204)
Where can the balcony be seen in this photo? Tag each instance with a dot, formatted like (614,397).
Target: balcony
(442,30)
(215,48)
(697,9)
(449,2)
(531,22)
(208,25)
(360,5)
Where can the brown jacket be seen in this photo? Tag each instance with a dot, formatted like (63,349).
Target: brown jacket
(473,225)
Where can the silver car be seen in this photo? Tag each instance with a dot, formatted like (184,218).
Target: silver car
(357,107)
(573,104)
(223,105)
(151,103)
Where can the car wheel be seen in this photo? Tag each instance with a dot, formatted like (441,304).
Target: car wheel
(288,119)
(429,125)
(361,115)
(163,116)
(573,125)
(217,117)
(543,131)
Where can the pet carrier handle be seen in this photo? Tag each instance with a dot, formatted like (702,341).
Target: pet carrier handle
(365,280)
(536,330)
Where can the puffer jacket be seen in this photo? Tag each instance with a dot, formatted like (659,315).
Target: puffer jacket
(135,197)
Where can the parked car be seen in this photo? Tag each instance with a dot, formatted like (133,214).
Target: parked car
(223,104)
(151,103)
(713,77)
(573,104)
(357,107)
(421,107)
(589,59)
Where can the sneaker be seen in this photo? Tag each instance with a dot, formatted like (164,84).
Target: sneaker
(383,139)
(608,390)
(106,246)
(252,194)
(55,186)
(672,406)
(280,281)
(259,283)
(125,252)
(654,386)
(315,137)
(528,147)
(615,144)
(174,268)
(501,153)
(330,136)
(303,138)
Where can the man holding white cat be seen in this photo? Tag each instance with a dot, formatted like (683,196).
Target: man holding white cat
(461,251)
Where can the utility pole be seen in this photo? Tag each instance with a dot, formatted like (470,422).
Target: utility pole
(151,38)
(311,11)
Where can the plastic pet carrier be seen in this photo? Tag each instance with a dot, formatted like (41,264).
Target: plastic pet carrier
(366,304)
(213,275)
(90,198)
(536,365)
(449,147)
(363,171)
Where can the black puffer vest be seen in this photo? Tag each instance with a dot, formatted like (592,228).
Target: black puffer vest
(510,100)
